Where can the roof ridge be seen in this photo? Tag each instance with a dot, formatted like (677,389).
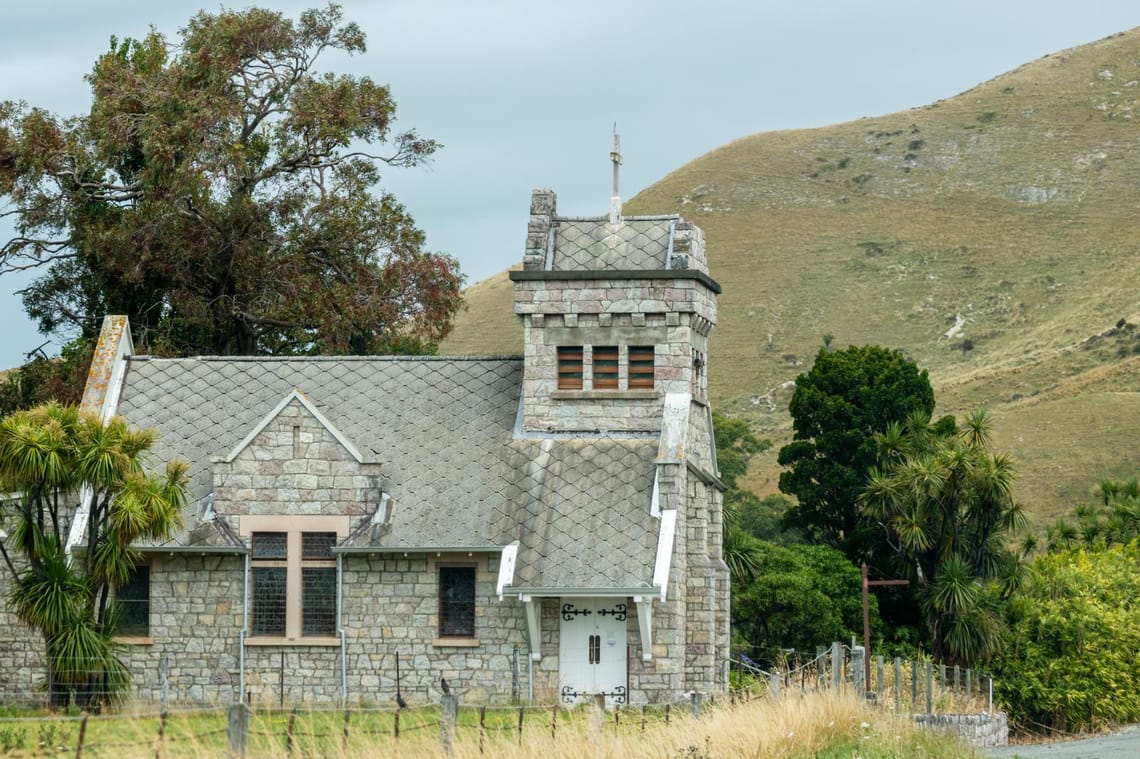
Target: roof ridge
(327,359)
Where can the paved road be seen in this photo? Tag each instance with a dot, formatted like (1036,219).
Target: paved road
(1126,743)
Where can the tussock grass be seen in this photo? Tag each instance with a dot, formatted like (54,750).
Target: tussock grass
(1011,205)
(815,725)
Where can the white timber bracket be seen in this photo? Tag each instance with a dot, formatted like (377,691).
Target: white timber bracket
(645,625)
(533,608)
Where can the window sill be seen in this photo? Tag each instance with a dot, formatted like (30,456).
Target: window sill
(609,395)
(311,641)
(455,642)
(135,640)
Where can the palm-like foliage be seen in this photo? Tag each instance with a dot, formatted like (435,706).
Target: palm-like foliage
(1114,521)
(55,460)
(944,498)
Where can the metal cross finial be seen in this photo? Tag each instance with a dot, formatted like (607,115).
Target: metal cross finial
(615,199)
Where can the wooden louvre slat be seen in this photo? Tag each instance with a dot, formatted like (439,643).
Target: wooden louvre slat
(641,365)
(605,367)
(570,368)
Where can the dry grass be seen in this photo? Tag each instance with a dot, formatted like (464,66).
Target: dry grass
(820,725)
(1012,204)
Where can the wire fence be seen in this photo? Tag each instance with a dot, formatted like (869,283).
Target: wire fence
(312,731)
(914,687)
(907,686)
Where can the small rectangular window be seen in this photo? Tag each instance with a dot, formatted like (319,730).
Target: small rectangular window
(270,545)
(317,545)
(318,601)
(269,600)
(605,367)
(457,602)
(641,367)
(570,367)
(134,603)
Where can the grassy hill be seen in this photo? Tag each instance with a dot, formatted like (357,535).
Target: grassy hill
(993,236)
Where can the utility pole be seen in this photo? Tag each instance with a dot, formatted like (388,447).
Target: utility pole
(867,620)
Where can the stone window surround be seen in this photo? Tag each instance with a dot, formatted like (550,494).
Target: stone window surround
(456,641)
(294,525)
(148,639)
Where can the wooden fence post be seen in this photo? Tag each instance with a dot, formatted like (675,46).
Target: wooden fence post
(929,688)
(448,712)
(774,685)
(914,686)
(161,735)
(836,664)
(289,728)
(898,684)
(554,722)
(879,679)
(521,712)
(396,725)
(482,728)
(82,737)
(644,715)
(598,715)
(668,709)
(237,729)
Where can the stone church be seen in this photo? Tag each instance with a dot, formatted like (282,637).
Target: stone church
(545,527)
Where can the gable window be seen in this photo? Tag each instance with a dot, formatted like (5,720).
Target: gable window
(293,578)
(570,367)
(318,583)
(133,598)
(270,568)
(457,602)
(641,364)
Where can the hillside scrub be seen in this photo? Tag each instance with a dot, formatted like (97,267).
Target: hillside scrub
(1069,660)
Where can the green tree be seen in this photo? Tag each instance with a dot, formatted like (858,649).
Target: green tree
(943,497)
(51,457)
(1069,660)
(837,407)
(223,194)
(42,379)
(735,446)
(802,596)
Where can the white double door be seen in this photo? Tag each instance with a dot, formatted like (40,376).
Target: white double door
(592,649)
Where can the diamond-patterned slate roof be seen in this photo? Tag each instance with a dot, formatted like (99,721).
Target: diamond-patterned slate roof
(597,245)
(443,432)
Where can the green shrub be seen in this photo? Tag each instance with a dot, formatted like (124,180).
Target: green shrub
(1070,661)
(802,596)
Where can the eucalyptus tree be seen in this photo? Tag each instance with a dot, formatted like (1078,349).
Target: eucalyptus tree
(224,194)
(58,465)
(943,496)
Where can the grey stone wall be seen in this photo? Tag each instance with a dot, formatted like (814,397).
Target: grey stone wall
(195,625)
(981,730)
(22,663)
(304,472)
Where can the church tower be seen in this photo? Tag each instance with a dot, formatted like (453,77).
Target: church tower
(616,316)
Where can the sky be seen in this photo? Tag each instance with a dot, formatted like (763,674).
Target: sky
(526,94)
